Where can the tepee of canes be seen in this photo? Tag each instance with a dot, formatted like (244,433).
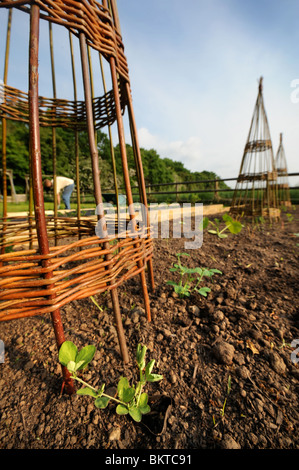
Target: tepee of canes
(283,189)
(255,194)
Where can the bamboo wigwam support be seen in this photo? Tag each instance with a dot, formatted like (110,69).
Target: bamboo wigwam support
(48,261)
(283,188)
(255,193)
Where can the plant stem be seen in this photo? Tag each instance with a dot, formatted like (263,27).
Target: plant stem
(84,383)
(96,303)
(223,408)
(225,228)
(95,390)
(140,382)
(199,280)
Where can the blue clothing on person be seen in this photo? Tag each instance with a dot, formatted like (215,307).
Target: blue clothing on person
(66,195)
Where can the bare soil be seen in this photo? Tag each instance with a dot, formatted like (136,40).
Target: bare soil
(243,330)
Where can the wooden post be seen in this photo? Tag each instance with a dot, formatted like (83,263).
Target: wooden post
(216,189)
(39,208)
(54,153)
(4,132)
(76,138)
(97,185)
(123,151)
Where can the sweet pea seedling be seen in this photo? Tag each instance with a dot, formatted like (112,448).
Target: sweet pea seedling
(190,278)
(131,400)
(230,224)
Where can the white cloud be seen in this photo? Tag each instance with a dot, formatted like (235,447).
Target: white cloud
(187,151)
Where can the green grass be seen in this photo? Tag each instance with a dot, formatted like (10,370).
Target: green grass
(24,206)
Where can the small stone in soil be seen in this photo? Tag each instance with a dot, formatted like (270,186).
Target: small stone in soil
(224,352)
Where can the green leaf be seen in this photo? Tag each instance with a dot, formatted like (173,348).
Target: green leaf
(214,232)
(87,391)
(149,376)
(191,270)
(125,392)
(71,366)
(101,390)
(122,384)
(145,409)
(85,356)
(128,394)
(205,222)
(140,355)
(79,365)
(143,405)
(181,290)
(222,235)
(135,413)
(198,271)
(143,399)
(149,367)
(216,271)
(235,227)
(102,402)
(67,353)
(171,283)
(154,377)
(122,410)
(183,269)
(203,291)
(207,272)
(227,218)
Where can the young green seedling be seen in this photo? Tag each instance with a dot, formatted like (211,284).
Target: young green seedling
(182,288)
(229,386)
(96,303)
(189,276)
(230,224)
(131,400)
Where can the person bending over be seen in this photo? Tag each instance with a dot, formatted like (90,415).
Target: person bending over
(65,187)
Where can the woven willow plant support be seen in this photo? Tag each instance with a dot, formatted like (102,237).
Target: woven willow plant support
(255,193)
(46,262)
(283,188)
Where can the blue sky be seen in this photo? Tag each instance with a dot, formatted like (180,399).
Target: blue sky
(194,70)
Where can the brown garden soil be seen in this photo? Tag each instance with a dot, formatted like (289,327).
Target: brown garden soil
(242,330)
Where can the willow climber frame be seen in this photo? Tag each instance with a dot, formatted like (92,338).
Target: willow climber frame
(283,188)
(255,193)
(61,259)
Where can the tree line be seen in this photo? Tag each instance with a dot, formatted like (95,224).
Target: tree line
(156,170)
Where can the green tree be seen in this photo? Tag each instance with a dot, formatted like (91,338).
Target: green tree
(17,153)
(156,170)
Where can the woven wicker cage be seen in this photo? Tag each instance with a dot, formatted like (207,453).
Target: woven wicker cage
(47,261)
(255,193)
